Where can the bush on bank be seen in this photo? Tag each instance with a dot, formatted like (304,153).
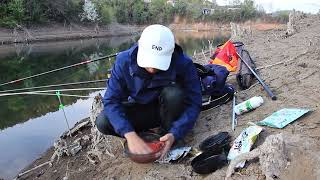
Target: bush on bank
(104,12)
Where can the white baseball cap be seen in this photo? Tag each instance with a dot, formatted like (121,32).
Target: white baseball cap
(156,46)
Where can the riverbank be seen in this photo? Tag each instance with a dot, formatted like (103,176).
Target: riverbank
(295,82)
(61,32)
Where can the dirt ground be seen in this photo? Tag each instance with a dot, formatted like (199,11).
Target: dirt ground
(296,84)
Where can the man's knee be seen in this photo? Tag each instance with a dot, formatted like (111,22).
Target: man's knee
(171,105)
(172,95)
(103,125)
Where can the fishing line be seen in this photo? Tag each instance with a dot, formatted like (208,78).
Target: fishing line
(59,69)
(55,85)
(50,94)
(51,90)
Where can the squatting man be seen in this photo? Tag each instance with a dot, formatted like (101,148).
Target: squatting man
(153,84)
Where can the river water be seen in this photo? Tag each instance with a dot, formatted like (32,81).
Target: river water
(29,124)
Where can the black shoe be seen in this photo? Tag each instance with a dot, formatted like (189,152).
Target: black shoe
(209,102)
(217,143)
(207,162)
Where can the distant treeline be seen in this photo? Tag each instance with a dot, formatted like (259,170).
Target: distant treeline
(29,12)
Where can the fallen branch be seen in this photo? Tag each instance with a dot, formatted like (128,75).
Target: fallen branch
(77,128)
(204,56)
(283,62)
(32,169)
(272,157)
(241,158)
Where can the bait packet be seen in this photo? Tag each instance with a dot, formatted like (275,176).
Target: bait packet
(175,155)
(283,117)
(243,143)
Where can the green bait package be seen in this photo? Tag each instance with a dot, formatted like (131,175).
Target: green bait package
(283,117)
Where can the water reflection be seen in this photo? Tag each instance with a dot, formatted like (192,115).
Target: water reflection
(44,57)
(194,41)
(21,144)
(30,124)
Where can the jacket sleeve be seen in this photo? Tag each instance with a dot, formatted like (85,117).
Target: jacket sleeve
(220,76)
(192,89)
(116,92)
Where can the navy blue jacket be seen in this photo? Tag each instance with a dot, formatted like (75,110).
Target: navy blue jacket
(129,82)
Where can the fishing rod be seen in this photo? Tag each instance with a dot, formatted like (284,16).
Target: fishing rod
(59,69)
(234,122)
(51,90)
(266,87)
(55,85)
(51,94)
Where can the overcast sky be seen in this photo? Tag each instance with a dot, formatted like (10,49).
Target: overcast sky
(311,6)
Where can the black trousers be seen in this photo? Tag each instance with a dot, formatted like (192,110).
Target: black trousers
(161,112)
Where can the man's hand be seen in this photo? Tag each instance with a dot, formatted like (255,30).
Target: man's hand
(136,145)
(168,139)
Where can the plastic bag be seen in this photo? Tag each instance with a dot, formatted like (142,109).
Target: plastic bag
(243,143)
(282,118)
(174,155)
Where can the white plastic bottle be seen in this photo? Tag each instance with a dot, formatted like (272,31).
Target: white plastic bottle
(248,105)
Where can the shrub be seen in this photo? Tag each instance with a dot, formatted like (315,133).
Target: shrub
(13,13)
(107,14)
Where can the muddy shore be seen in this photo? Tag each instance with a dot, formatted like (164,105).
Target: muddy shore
(61,32)
(295,82)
